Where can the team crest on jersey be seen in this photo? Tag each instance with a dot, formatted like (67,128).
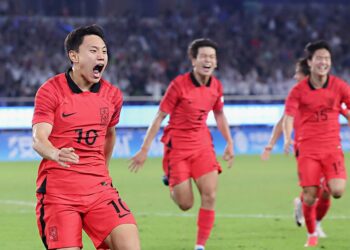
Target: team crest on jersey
(53,235)
(104,113)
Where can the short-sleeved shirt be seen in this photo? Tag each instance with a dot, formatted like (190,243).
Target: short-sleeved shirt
(80,120)
(188,104)
(318,128)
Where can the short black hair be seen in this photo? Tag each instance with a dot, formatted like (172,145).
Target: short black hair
(303,66)
(75,38)
(311,48)
(198,43)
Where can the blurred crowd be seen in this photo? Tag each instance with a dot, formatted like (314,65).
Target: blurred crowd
(259,45)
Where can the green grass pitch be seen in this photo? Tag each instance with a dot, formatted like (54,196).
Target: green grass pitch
(254,208)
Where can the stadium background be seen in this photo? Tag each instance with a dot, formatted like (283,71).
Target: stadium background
(259,43)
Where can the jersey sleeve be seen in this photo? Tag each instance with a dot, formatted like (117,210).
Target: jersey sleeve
(170,99)
(45,105)
(345,95)
(117,104)
(292,102)
(219,104)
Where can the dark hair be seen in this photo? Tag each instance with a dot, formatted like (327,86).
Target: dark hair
(303,66)
(311,48)
(198,43)
(75,38)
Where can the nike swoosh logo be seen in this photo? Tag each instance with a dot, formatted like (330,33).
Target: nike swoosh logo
(68,114)
(123,215)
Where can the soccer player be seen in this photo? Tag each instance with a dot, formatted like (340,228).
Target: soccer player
(74,131)
(188,146)
(323,202)
(301,71)
(317,101)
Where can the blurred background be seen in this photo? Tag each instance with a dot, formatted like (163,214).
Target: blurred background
(259,41)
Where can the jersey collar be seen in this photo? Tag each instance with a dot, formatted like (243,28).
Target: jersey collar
(312,86)
(196,83)
(74,87)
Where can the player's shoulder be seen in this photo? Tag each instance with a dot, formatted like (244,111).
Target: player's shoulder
(215,81)
(181,79)
(336,80)
(110,91)
(302,84)
(54,82)
(109,86)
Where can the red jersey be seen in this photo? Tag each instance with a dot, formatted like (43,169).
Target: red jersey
(317,127)
(80,120)
(188,104)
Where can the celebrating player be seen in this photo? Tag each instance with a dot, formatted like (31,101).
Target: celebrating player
(316,100)
(74,131)
(188,146)
(323,202)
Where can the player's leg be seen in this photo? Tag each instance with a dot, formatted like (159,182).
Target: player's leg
(207,186)
(322,207)
(309,172)
(109,222)
(182,195)
(337,187)
(179,178)
(60,225)
(335,173)
(124,237)
(205,169)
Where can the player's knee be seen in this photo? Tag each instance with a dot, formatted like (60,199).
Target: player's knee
(208,198)
(337,193)
(184,206)
(309,200)
(129,246)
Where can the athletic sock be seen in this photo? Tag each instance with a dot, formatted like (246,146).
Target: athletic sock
(205,222)
(310,217)
(322,207)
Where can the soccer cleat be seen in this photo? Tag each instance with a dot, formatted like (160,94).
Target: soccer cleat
(199,247)
(165,180)
(320,232)
(298,212)
(312,241)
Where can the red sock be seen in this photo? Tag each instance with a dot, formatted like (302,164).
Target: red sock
(205,223)
(322,207)
(310,217)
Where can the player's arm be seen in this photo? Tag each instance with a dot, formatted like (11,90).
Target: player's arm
(276,133)
(42,145)
(140,157)
(287,131)
(224,128)
(344,111)
(109,144)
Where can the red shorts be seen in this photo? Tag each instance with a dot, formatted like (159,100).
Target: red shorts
(180,165)
(61,218)
(312,167)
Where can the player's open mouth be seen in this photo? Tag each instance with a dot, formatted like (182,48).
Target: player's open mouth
(97,70)
(206,68)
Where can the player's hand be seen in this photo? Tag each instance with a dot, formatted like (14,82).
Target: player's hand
(288,144)
(228,155)
(64,156)
(265,155)
(137,161)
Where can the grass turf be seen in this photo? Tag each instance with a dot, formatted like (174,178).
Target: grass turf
(254,208)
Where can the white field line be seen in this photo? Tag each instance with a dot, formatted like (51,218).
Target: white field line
(167,214)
